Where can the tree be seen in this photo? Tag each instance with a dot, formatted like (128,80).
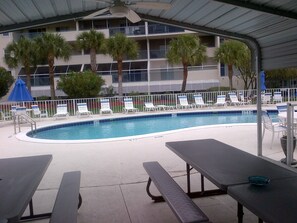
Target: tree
(118,47)
(49,47)
(275,78)
(228,53)
(186,50)
(22,52)
(244,65)
(6,80)
(92,41)
(81,85)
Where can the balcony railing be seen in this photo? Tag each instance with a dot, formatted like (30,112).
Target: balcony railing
(128,30)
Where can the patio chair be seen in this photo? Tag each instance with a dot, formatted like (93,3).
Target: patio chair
(277,97)
(38,113)
(105,106)
(128,106)
(149,106)
(62,111)
(243,99)
(183,102)
(266,98)
(5,116)
(274,127)
(281,107)
(82,110)
(199,102)
(234,99)
(21,111)
(221,100)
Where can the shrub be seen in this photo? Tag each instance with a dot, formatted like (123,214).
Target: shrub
(81,84)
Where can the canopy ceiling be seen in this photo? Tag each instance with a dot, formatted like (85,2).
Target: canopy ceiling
(268,26)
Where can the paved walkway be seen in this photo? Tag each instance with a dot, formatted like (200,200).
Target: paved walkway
(113,179)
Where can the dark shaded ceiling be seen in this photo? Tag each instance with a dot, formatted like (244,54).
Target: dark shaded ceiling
(268,26)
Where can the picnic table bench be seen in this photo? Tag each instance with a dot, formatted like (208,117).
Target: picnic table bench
(68,199)
(179,202)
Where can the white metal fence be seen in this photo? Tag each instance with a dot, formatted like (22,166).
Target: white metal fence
(117,104)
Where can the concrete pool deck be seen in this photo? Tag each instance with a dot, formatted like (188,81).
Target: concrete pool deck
(113,180)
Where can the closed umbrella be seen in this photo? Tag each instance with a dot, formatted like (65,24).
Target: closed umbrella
(20,92)
(262,76)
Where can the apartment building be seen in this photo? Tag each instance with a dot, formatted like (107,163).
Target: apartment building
(149,73)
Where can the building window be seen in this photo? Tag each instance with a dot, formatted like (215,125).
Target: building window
(223,73)
(85,25)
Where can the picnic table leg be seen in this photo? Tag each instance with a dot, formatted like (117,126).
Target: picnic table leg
(202,183)
(33,216)
(240,212)
(31,208)
(155,198)
(188,168)
(79,201)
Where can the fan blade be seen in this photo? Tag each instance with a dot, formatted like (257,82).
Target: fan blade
(92,15)
(133,17)
(152,5)
(103,1)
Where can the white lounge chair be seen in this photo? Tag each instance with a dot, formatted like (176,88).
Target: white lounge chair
(221,100)
(21,111)
(199,102)
(105,106)
(38,113)
(266,98)
(5,116)
(244,100)
(149,106)
(274,127)
(82,110)
(234,99)
(128,106)
(282,107)
(183,102)
(62,111)
(277,97)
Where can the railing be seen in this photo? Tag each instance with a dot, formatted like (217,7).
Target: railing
(117,104)
(22,118)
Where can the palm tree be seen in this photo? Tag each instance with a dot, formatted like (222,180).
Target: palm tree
(118,47)
(22,52)
(49,47)
(228,53)
(92,41)
(186,50)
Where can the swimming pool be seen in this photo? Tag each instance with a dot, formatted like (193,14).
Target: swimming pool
(139,125)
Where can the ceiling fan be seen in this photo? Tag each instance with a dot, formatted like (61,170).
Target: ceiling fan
(121,8)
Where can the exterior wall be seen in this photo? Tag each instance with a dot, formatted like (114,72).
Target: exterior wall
(5,40)
(162,77)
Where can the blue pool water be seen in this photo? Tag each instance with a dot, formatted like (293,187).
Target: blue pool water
(133,126)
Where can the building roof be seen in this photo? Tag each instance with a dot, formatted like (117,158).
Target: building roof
(268,26)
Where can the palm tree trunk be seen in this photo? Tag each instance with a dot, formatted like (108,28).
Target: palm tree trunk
(93,60)
(120,77)
(230,75)
(185,77)
(51,62)
(28,78)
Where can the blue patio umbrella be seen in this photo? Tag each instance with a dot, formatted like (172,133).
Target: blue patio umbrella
(20,92)
(262,78)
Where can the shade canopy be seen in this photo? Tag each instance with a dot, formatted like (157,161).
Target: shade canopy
(269,27)
(20,92)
